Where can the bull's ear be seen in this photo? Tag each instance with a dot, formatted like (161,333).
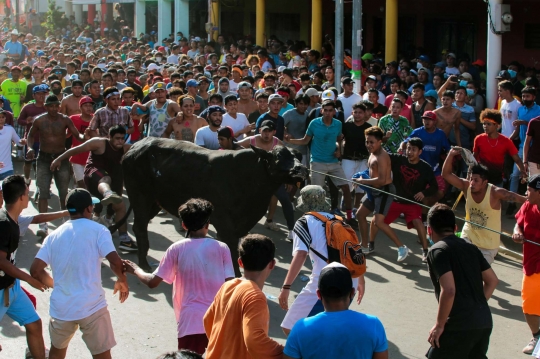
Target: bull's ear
(261,153)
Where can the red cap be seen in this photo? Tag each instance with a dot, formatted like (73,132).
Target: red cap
(479,62)
(85,99)
(161,48)
(296,85)
(15,68)
(430,115)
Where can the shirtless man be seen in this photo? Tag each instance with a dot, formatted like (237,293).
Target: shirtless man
(478,208)
(160,111)
(51,128)
(449,117)
(103,176)
(246,104)
(186,123)
(266,140)
(380,169)
(70,104)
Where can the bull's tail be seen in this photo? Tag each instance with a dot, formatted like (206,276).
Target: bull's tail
(119,223)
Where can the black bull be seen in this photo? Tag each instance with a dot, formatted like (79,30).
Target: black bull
(166,173)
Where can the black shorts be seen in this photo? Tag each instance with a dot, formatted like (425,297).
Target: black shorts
(462,344)
(92,181)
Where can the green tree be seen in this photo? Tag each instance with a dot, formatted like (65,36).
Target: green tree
(55,18)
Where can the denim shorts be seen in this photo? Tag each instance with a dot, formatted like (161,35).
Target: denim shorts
(44,175)
(20,307)
(6,174)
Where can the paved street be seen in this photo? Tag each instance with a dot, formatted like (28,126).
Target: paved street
(400,294)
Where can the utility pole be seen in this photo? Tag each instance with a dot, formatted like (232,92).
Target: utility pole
(338,45)
(357,45)
(17,7)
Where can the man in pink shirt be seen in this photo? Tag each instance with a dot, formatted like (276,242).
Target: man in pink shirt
(196,266)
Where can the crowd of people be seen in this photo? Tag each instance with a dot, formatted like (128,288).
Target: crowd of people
(74,103)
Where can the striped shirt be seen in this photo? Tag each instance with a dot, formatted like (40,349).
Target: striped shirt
(105,118)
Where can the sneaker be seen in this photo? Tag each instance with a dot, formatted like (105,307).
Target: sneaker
(424,256)
(352,222)
(271,225)
(113,198)
(107,222)
(337,212)
(530,347)
(290,236)
(126,243)
(403,252)
(370,248)
(510,210)
(43,230)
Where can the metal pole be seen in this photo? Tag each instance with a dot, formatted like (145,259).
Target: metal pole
(17,14)
(338,45)
(494,51)
(357,45)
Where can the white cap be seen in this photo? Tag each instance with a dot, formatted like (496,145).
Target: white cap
(198,39)
(466,76)
(281,68)
(311,92)
(328,95)
(152,66)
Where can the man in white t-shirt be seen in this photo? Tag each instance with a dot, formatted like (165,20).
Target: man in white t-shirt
(197,267)
(75,251)
(237,121)
(348,98)
(173,57)
(371,83)
(8,135)
(509,107)
(207,136)
(309,235)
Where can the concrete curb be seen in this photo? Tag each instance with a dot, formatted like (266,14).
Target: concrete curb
(514,255)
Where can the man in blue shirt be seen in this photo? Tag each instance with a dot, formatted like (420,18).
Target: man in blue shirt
(338,332)
(325,153)
(275,102)
(15,50)
(527,112)
(435,144)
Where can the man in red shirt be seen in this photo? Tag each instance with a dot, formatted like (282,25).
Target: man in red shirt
(528,226)
(81,122)
(491,147)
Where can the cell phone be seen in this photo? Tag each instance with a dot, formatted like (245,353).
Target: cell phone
(453,78)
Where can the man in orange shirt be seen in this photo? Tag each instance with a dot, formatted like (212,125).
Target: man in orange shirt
(237,321)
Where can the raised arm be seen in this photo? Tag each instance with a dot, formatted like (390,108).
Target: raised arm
(504,195)
(449,176)
(449,81)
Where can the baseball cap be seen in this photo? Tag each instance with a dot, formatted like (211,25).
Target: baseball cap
(311,92)
(431,93)
(451,54)
(152,66)
(41,88)
(479,62)
(534,182)
(371,77)
(393,64)
(504,74)
(226,132)
(244,84)
(78,199)
(159,86)
(367,57)
(14,68)
(424,58)
(268,125)
(440,64)
(335,281)
(430,115)
(275,97)
(328,95)
(423,69)
(466,76)
(215,108)
(347,81)
(281,68)
(85,99)
(192,83)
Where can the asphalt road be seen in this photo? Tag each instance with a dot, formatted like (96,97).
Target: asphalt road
(400,294)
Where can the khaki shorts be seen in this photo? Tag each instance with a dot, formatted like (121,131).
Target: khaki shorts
(97,332)
(489,254)
(333,169)
(78,171)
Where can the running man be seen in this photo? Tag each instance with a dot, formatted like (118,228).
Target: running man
(482,206)
(104,178)
(81,122)
(380,169)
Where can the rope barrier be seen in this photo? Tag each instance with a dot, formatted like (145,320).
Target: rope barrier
(508,235)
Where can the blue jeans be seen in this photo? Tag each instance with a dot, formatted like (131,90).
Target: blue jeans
(6,174)
(514,177)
